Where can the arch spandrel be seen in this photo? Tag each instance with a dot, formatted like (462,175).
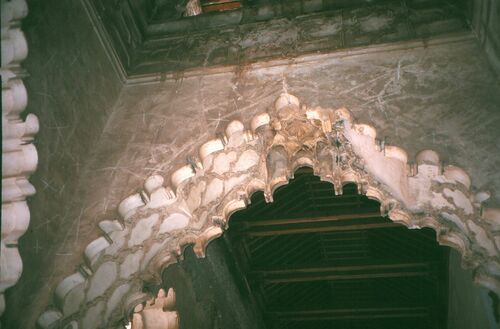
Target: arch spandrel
(160,221)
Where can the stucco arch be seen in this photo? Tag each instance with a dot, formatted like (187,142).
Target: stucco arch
(160,221)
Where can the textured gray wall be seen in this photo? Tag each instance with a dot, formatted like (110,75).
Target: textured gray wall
(486,24)
(71,89)
(469,306)
(210,292)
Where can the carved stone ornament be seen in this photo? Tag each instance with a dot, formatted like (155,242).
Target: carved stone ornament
(19,155)
(159,222)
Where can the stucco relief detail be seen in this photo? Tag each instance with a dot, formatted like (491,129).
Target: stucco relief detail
(19,155)
(157,313)
(195,207)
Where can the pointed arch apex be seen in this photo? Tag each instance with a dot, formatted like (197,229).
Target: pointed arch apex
(203,195)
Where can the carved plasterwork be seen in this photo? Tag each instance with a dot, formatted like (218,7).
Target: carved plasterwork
(160,221)
(19,155)
(157,313)
(193,8)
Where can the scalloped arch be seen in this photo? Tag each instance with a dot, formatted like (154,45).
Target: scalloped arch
(160,221)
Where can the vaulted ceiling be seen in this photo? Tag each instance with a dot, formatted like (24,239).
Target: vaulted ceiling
(155,37)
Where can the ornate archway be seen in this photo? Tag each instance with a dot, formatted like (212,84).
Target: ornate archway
(159,222)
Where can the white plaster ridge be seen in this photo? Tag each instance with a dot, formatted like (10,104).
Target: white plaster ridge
(19,156)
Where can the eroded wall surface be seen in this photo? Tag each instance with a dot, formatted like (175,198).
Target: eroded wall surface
(71,88)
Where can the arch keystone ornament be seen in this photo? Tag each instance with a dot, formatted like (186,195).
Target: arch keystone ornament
(162,220)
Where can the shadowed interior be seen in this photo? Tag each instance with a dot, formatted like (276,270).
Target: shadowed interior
(317,260)
(313,259)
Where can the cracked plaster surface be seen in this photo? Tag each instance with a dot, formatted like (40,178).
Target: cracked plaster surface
(442,97)
(282,139)
(72,88)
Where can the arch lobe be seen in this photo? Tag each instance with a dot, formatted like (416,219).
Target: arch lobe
(206,191)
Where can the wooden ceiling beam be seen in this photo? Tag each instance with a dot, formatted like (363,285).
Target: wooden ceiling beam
(287,221)
(350,314)
(337,277)
(356,310)
(356,268)
(320,229)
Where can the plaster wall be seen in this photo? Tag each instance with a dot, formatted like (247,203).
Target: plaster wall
(211,292)
(469,306)
(440,95)
(287,29)
(486,25)
(428,94)
(71,88)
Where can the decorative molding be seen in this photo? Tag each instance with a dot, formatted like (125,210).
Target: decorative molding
(19,155)
(421,43)
(105,40)
(157,313)
(144,45)
(160,221)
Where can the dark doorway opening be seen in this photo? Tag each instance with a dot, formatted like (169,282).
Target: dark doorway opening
(314,259)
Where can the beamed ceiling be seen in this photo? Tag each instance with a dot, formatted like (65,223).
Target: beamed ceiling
(314,260)
(150,37)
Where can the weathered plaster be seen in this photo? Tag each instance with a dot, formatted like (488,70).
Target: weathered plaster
(485,21)
(72,88)
(157,313)
(469,306)
(19,155)
(439,96)
(201,42)
(212,291)
(146,41)
(442,97)
(285,137)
